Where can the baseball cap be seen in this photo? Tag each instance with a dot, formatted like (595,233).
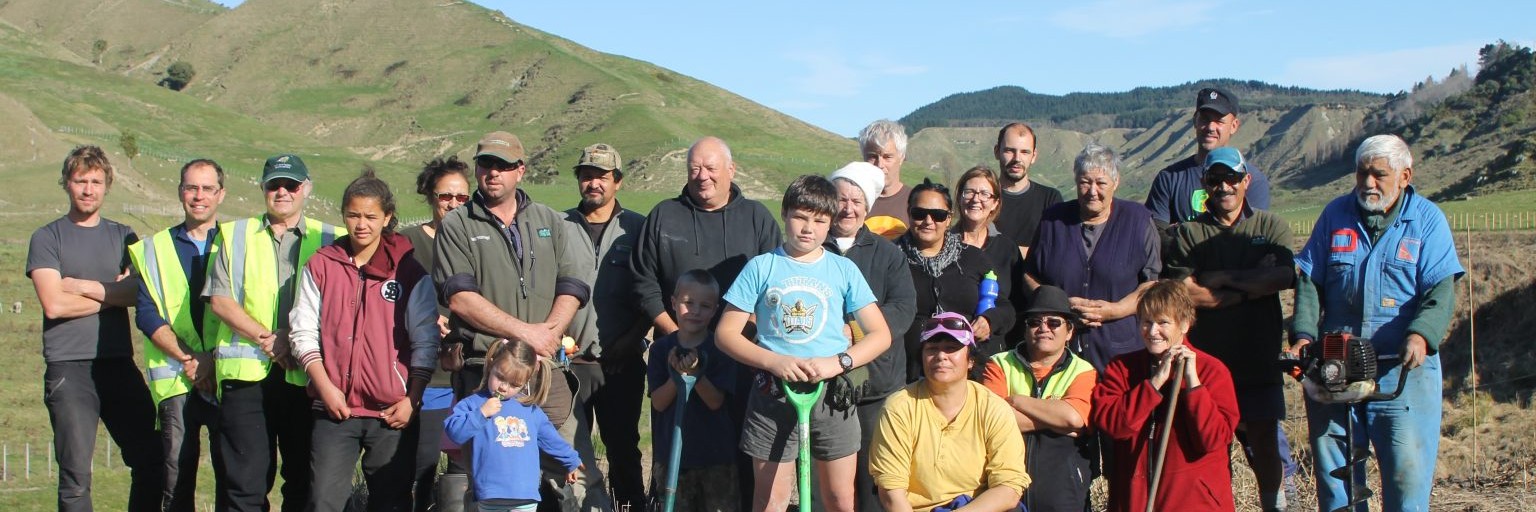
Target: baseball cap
(1215,100)
(951,325)
(1050,300)
(502,145)
(284,166)
(601,156)
(1225,157)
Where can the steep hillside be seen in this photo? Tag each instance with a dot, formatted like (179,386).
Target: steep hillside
(50,105)
(131,32)
(403,80)
(1483,140)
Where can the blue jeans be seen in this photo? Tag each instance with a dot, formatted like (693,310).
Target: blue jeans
(1404,433)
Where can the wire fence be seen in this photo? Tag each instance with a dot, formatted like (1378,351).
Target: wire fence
(1460,222)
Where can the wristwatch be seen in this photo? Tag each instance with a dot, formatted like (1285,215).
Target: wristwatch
(846,361)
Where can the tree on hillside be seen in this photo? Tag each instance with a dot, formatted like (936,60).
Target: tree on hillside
(178,76)
(98,49)
(130,144)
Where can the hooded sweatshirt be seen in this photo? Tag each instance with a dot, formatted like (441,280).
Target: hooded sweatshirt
(373,327)
(680,235)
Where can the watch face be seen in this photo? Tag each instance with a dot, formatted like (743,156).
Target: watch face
(845,360)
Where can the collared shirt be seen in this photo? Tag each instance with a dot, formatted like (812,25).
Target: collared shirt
(193,257)
(285,245)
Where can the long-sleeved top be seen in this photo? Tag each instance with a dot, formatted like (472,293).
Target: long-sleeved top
(193,257)
(1388,274)
(505,455)
(956,290)
(352,320)
(680,235)
(885,270)
(1129,410)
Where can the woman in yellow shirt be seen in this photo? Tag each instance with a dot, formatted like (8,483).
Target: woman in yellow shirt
(944,440)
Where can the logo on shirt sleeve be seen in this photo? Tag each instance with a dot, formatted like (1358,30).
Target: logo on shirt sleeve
(1344,240)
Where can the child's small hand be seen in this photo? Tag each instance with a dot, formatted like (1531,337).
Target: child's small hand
(574,475)
(491,407)
(683,361)
(788,368)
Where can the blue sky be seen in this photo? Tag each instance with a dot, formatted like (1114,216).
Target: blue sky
(841,64)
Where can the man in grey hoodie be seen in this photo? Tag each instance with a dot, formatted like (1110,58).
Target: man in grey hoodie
(709,226)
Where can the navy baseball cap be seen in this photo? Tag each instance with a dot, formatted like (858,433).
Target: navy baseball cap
(1215,100)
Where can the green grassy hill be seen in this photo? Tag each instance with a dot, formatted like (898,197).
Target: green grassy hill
(404,80)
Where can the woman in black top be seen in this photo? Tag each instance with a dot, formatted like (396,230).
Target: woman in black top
(947,274)
(978,203)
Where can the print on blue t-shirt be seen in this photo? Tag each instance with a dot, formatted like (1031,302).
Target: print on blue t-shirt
(800,305)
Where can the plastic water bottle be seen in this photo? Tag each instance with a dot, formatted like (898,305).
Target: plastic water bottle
(988,293)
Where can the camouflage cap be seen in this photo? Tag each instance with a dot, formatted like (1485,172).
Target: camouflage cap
(601,156)
(502,145)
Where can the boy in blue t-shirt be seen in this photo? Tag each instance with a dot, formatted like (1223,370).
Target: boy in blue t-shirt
(801,294)
(706,481)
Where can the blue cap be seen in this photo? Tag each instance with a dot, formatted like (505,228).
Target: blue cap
(1226,157)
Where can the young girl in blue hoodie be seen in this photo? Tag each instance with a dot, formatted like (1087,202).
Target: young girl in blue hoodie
(509,431)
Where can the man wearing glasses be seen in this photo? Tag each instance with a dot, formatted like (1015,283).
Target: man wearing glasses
(1235,259)
(511,268)
(173,265)
(261,388)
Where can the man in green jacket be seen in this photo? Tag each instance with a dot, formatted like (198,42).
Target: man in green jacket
(511,268)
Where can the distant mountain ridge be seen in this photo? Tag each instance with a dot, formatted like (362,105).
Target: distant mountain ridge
(1142,107)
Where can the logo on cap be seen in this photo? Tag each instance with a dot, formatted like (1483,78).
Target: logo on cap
(1213,95)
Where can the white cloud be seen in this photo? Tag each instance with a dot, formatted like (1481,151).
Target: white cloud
(1127,19)
(832,74)
(1387,71)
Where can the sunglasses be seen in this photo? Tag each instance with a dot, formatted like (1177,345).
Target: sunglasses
(951,323)
(938,215)
(497,164)
(1215,179)
(462,198)
(282,183)
(1052,323)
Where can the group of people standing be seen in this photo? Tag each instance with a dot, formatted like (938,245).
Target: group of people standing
(988,346)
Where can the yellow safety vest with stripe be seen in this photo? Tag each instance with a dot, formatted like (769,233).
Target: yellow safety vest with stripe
(156,262)
(1021,380)
(253,280)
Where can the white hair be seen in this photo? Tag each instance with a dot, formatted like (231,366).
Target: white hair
(1097,157)
(1390,147)
(877,133)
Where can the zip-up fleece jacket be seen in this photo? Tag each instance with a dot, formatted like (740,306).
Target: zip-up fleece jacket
(885,269)
(680,235)
(1129,410)
(610,325)
(364,324)
(521,275)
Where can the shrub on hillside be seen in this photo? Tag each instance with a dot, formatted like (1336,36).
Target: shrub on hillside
(178,76)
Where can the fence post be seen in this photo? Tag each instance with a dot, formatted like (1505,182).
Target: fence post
(29,461)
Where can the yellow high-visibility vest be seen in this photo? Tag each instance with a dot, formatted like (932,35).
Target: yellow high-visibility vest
(253,279)
(156,262)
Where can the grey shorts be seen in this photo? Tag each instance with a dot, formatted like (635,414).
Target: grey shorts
(1261,403)
(768,431)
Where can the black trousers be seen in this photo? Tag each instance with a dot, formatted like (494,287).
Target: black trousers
(259,421)
(612,391)
(182,419)
(388,457)
(112,391)
(429,451)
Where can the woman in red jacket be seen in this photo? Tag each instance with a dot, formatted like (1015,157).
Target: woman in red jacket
(365,330)
(1128,407)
